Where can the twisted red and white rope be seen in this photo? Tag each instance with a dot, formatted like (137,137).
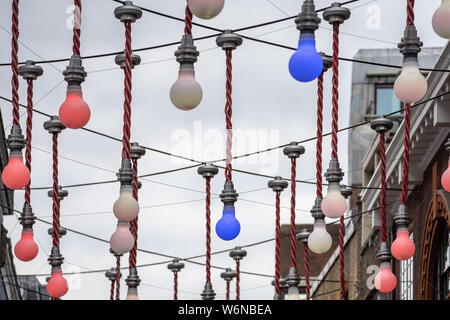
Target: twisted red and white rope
(335,99)
(208,229)
(134,223)
(238,280)
(117,277)
(28,137)
(292,228)
(410,12)
(175,286)
(111,296)
(56,207)
(406,155)
(228,114)
(188,21)
(319,136)
(15,62)
(76,27)
(306,260)
(277,244)
(383,186)
(127,93)
(228,291)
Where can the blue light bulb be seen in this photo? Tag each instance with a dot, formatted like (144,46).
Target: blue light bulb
(228,227)
(306,63)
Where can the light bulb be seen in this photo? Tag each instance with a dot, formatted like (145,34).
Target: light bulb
(74,113)
(132,294)
(293,294)
(16,175)
(334,204)
(206,9)
(122,241)
(385,280)
(186,93)
(26,249)
(319,241)
(228,227)
(403,248)
(445,179)
(126,208)
(410,86)
(306,63)
(57,286)
(441,20)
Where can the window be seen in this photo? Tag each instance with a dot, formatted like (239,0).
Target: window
(443,268)
(386,100)
(406,278)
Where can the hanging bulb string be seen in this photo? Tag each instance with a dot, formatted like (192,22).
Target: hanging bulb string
(28,137)
(228,114)
(208,229)
(238,280)
(319,136)
(134,223)
(306,259)
(76,27)
(383,186)
(15,62)
(292,228)
(56,206)
(118,277)
(410,12)
(128,95)
(188,21)
(277,244)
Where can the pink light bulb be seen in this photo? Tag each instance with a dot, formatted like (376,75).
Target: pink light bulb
(16,175)
(445,179)
(403,248)
(26,249)
(334,204)
(385,280)
(206,9)
(57,286)
(441,20)
(122,241)
(74,113)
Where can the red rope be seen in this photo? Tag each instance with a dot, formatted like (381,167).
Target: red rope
(118,277)
(175,286)
(56,211)
(293,192)
(111,297)
(128,96)
(228,114)
(383,186)
(15,61)
(406,143)
(28,138)
(188,21)
(341,257)
(319,136)
(335,113)
(134,223)
(208,230)
(306,258)
(77,27)
(228,290)
(277,244)
(410,13)
(238,279)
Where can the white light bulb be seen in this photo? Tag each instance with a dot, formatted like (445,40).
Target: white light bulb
(334,204)
(293,294)
(126,208)
(441,20)
(206,9)
(410,86)
(319,241)
(122,241)
(186,93)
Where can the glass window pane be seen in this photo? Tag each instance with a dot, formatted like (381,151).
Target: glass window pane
(387,101)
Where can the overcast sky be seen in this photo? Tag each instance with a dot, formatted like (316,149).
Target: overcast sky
(267,102)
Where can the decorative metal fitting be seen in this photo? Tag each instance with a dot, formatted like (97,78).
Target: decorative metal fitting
(111,274)
(293,150)
(187,53)
(238,253)
(447,145)
(208,170)
(278,184)
(133,280)
(16,140)
(54,125)
(292,279)
(381,124)
(136,151)
(229,40)
(384,253)
(327,61)
(128,13)
(336,13)
(334,172)
(308,20)
(120,60)
(401,219)
(27,217)
(55,259)
(74,73)
(303,235)
(126,173)
(30,71)
(316,211)
(208,292)
(62,231)
(346,192)
(228,195)
(410,43)
(61,193)
(228,275)
(175,266)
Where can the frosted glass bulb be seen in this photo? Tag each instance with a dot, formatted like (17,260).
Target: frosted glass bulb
(122,241)
(319,241)
(126,208)
(26,249)
(186,93)
(16,175)
(334,204)
(445,179)
(385,280)
(403,248)
(57,286)
(206,9)
(410,86)
(74,112)
(293,294)
(441,20)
